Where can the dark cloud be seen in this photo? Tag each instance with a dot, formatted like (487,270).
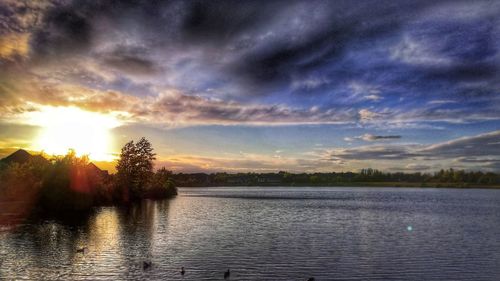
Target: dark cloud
(489,163)
(273,40)
(394,152)
(64,30)
(175,107)
(465,72)
(130,61)
(383,137)
(478,146)
(324,42)
(479,151)
(218,22)
(370,137)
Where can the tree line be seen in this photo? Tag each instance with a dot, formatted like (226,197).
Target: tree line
(368,177)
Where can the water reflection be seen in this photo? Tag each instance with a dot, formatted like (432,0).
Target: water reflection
(268,234)
(117,239)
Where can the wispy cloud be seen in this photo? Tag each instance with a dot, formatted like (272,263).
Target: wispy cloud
(438,102)
(309,83)
(363,91)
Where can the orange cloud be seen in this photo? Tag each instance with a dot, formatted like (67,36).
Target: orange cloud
(14,45)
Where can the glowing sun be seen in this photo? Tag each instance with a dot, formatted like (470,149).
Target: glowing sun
(65,128)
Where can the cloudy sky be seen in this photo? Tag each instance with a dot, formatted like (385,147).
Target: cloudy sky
(263,85)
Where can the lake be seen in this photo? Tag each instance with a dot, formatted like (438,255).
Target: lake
(269,233)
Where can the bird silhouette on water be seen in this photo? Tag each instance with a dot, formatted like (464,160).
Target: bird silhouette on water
(311,279)
(227,274)
(146,265)
(182,271)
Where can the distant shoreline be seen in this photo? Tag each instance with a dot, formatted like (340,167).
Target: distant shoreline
(368,184)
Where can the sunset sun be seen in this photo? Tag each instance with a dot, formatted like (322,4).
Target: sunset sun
(65,128)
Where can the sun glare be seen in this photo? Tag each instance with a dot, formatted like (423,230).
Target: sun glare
(64,128)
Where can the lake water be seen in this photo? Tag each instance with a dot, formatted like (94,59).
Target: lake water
(269,234)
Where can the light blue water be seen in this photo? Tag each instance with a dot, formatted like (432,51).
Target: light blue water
(270,234)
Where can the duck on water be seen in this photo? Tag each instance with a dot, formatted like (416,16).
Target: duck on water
(146,264)
(227,274)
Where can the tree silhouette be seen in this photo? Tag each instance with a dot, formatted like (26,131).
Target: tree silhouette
(162,185)
(135,167)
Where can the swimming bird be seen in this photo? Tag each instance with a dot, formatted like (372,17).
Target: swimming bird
(81,250)
(146,265)
(182,271)
(226,274)
(311,279)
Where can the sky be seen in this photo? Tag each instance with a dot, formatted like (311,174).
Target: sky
(264,86)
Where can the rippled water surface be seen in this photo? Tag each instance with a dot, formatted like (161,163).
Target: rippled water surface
(269,234)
